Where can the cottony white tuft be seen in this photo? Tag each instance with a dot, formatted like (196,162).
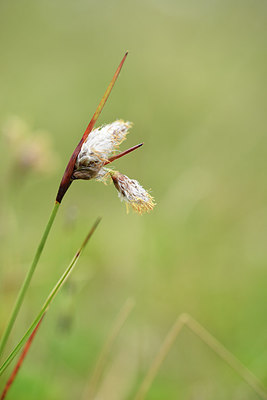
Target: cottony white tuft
(130,191)
(96,152)
(100,144)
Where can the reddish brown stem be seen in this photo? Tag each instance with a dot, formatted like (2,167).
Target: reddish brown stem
(123,153)
(20,360)
(66,179)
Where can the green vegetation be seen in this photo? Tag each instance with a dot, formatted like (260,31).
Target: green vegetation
(194,85)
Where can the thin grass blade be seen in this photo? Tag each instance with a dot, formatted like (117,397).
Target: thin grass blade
(159,359)
(90,389)
(49,299)
(27,279)
(187,320)
(20,360)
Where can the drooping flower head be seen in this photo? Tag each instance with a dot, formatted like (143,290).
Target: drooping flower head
(130,191)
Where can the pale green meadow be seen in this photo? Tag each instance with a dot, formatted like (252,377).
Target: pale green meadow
(194,85)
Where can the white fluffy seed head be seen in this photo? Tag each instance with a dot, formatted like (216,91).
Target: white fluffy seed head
(130,191)
(98,147)
(93,156)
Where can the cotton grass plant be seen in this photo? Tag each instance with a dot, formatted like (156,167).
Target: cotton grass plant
(96,149)
(91,159)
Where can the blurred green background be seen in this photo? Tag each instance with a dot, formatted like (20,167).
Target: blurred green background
(194,85)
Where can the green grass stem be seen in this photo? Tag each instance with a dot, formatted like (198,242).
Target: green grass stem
(48,301)
(27,279)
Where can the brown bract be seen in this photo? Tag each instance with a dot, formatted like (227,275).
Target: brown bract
(66,179)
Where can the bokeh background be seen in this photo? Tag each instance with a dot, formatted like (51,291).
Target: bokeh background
(194,84)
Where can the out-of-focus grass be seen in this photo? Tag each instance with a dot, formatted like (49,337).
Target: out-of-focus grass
(195,87)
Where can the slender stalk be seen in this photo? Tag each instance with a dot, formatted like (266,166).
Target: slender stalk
(187,320)
(90,388)
(27,279)
(225,355)
(159,358)
(48,301)
(20,361)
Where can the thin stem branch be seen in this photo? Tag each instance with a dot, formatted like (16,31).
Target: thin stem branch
(186,320)
(90,389)
(27,279)
(225,355)
(159,358)
(117,156)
